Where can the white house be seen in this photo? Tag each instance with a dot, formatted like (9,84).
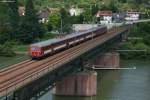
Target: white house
(75,11)
(132,16)
(44,14)
(21,10)
(105,16)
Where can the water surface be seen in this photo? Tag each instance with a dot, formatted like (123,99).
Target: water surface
(118,84)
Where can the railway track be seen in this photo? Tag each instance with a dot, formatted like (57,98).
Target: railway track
(27,71)
(16,66)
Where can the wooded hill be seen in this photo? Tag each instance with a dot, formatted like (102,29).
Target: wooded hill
(119,4)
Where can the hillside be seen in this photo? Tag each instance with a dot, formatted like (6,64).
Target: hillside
(120,4)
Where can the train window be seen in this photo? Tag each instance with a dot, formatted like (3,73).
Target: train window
(35,49)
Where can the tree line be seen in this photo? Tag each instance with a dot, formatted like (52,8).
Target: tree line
(24,29)
(16,29)
(141,31)
(27,29)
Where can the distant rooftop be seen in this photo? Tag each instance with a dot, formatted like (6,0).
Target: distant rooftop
(104,13)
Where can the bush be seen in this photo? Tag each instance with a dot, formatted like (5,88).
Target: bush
(140,30)
(6,50)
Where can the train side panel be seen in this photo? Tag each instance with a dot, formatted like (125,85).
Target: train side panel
(37,52)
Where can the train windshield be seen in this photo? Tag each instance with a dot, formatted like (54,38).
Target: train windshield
(35,49)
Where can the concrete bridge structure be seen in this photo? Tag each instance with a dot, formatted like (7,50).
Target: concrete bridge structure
(30,79)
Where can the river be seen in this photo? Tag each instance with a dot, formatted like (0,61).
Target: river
(131,84)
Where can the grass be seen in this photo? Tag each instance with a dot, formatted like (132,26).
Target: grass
(7,61)
(20,48)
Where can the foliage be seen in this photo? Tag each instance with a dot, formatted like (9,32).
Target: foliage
(87,16)
(94,9)
(4,18)
(6,50)
(54,21)
(13,15)
(26,29)
(4,25)
(113,6)
(49,35)
(65,21)
(76,19)
(140,30)
(30,29)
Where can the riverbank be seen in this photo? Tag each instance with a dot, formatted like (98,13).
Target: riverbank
(137,45)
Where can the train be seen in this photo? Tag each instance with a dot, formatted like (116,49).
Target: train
(52,46)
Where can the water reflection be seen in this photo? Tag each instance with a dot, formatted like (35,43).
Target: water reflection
(118,85)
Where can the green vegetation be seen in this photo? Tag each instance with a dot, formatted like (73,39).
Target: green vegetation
(49,35)
(54,22)
(7,61)
(6,50)
(30,28)
(20,48)
(141,31)
(20,29)
(114,5)
(23,30)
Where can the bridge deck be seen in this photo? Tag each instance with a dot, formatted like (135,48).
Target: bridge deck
(21,74)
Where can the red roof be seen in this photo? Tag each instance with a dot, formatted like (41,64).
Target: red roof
(104,13)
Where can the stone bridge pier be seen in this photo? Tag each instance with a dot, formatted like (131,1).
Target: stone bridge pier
(81,84)
(85,83)
(107,60)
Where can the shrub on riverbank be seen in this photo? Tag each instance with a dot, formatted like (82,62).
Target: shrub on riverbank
(142,31)
(143,51)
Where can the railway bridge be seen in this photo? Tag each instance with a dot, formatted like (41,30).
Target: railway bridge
(27,79)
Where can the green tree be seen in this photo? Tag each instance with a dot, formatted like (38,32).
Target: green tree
(95,9)
(75,20)
(113,6)
(65,21)
(87,16)
(81,18)
(13,17)
(122,1)
(30,29)
(6,50)
(104,7)
(54,21)
(4,26)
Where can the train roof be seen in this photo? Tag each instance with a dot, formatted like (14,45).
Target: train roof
(55,40)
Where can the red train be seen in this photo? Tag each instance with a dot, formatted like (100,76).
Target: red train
(44,48)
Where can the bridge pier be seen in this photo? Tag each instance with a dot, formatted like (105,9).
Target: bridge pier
(108,60)
(81,84)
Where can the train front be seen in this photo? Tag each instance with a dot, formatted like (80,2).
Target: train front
(35,51)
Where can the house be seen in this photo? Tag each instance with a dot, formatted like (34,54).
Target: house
(105,16)
(132,16)
(43,14)
(21,10)
(118,17)
(75,11)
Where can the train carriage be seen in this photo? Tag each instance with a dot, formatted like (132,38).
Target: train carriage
(41,49)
